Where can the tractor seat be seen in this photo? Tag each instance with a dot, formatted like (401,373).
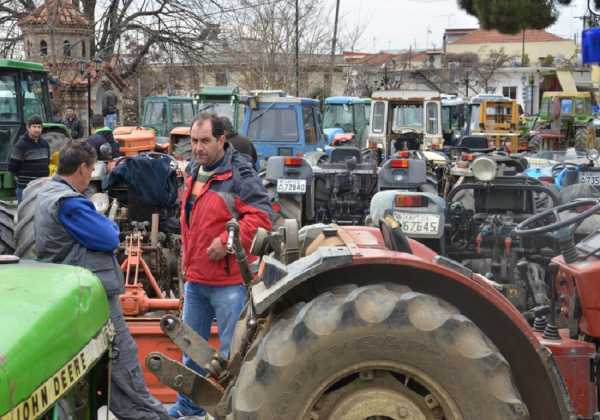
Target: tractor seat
(341,154)
(393,237)
(475,144)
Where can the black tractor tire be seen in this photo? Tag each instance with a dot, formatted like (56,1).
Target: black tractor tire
(582,139)
(56,140)
(183,148)
(24,231)
(383,351)
(7,227)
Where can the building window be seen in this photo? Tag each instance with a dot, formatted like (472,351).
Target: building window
(83,52)
(510,92)
(43,48)
(221,78)
(67,48)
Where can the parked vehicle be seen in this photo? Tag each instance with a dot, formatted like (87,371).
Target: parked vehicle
(498,119)
(565,120)
(344,120)
(283,126)
(164,113)
(23,93)
(347,320)
(405,120)
(55,342)
(453,119)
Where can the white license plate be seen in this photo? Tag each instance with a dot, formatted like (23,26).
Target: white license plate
(590,178)
(418,224)
(291,186)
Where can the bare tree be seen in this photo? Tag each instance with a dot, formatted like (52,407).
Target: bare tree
(487,68)
(183,27)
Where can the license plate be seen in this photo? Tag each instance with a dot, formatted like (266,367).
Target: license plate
(291,186)
(418,224)
(590,178)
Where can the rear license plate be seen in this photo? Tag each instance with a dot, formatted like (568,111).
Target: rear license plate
(590,178)
(418,224)
(291,186)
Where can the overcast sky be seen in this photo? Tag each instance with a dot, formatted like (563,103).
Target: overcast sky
(398,24)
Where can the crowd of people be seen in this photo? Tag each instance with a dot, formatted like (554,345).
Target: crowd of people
(222,184)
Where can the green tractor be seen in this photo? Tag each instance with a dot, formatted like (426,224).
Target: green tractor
(164,113)
(55,342)
(223,101)
(23,93)
(565,120)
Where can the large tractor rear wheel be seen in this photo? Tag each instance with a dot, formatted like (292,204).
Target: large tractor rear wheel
(379,351)
(24,231)
(7,227)
(582,139)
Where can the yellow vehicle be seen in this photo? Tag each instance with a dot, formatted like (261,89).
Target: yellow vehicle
(498,119)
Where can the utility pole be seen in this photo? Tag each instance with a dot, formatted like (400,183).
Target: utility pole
(297,52)
(467,84)
(333,42)
(523,51)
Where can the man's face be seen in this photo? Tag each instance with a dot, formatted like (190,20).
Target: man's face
(34,131)
(206,148)
(85,175)
(70,113)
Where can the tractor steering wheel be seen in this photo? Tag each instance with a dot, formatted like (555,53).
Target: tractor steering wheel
(525,228)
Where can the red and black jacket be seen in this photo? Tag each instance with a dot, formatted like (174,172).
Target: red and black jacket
(234,190)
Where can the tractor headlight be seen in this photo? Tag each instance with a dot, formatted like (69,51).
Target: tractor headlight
(484,169)
(593,154)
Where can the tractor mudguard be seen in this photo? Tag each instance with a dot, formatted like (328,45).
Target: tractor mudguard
(277,169)
(315,157)
(364,260)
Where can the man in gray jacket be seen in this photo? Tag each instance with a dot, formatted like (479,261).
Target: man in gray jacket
(68,230)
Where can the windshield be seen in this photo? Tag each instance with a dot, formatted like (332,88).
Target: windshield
(222,109)
(407,116)
(474,122)
(274,124)
(452,117)
(32,88)
(156,113)
(8,99)
(183,113)
(338,115)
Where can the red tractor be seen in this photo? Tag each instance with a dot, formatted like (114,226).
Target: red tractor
(361,323)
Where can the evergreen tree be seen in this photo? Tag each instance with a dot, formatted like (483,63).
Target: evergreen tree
(512,16)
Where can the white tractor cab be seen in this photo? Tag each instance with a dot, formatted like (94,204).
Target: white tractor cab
(453,119)
(405,120)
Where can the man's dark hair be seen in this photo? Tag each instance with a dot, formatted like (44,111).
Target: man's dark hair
(97,121)
(218,128)
(73,154)
(35,120)
(228,126)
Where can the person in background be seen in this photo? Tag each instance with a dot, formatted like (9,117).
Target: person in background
(102,135)
(240,143)
(30,158)
(109,106)
(73,123)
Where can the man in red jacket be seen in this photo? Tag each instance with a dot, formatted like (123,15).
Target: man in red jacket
(222,185)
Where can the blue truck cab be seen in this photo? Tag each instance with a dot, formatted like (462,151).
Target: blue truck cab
(281,125)
(346,115)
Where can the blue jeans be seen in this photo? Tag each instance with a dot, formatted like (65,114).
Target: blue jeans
(19,191)
(110,120)
(201,305)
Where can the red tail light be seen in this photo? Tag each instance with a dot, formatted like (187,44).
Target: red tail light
(399,164)
(293,161)
(405,154)
(410,201)
(468,157)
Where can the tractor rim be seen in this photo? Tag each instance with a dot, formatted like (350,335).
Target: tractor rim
(381,391)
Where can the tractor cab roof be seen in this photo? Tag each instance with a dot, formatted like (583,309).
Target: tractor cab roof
(562,94)
(219,91)
(344,100)
(478,99)
(168,98)
(22,65)
(407,95)
(286,99)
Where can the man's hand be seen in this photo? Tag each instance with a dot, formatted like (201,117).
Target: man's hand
(216,250)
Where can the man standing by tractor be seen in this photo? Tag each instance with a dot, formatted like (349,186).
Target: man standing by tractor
(109,106)
(68,230)
(242,144)
(102,135)
(30,156)
(222,186)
